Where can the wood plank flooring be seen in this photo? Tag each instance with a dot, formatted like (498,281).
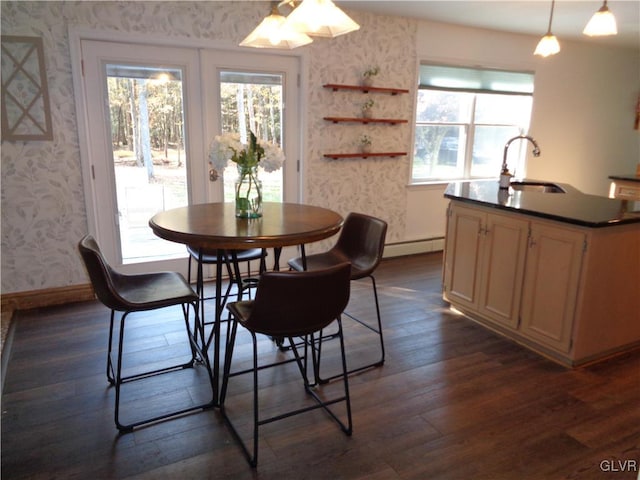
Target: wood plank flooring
(452,401)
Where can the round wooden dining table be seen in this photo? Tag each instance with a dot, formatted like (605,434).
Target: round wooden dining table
(214,226)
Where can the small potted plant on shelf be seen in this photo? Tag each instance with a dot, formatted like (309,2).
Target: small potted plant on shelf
(367,76)
(366,108)
(365,144)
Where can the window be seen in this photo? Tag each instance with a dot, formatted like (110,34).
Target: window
(464,118)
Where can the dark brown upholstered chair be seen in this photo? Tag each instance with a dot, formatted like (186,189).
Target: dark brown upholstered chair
(288,305)
(136,293)
(361,243)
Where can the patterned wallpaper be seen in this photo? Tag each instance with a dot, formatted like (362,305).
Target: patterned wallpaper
(43,210)
(376,186)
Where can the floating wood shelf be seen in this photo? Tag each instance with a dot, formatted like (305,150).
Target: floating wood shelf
(363,89)
(336,156)
(364,120)
(391,121)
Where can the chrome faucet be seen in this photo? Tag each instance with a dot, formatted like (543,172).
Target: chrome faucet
(536,151)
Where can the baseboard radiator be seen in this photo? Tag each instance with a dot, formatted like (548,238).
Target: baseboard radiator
(414,247)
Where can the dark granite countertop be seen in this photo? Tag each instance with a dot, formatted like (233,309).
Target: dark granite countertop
(572,207)
(629,178)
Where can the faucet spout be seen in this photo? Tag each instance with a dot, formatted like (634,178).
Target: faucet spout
(535,151)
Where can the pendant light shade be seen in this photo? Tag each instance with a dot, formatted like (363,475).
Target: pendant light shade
(548,45)
(321,18)
(273,32)
(602,23)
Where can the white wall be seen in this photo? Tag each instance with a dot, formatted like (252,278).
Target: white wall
(583,115)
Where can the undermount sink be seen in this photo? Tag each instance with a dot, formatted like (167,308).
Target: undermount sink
(540,187)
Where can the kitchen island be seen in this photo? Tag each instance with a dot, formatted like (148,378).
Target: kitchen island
(556,272)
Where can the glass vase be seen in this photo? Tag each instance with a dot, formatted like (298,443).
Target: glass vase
(248,193)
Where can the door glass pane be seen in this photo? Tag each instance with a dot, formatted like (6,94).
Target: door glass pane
(147,124)
(253,102)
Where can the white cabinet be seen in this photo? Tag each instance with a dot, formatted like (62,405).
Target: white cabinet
(484,262)
(568,292)
(552,273)
(556,274)
(463,252)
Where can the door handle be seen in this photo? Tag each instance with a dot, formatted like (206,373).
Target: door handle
(213,175)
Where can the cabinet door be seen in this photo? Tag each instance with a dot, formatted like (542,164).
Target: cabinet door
(552,274)
(502,269)
(462,260)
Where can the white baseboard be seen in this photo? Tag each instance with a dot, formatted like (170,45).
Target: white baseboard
(414,247)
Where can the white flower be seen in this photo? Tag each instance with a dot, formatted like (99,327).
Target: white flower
(273,157)
(222,149)
(228,147)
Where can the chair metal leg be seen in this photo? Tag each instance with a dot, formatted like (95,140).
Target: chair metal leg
(324,404)
(229,346)
(110,373)
(345,380)
(119,380)
(120,426)
(230,261)
(377,330)
(215,331)
(200,285)
(301,361)
(252,456)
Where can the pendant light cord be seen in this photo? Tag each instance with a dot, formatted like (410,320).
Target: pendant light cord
(553,2)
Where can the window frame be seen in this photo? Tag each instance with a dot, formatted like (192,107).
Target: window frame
(470,126)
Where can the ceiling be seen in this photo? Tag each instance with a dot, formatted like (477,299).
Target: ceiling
(528,17)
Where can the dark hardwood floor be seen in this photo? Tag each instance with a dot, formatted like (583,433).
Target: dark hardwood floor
(452,401)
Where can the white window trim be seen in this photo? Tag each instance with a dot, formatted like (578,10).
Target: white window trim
(462,63)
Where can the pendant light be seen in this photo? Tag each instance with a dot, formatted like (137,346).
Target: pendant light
(273,32)
(602,23)
(548,45)
(321,18)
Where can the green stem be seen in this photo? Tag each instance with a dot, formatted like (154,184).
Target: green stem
(247,203)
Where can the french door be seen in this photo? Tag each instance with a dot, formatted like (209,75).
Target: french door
(150,115)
